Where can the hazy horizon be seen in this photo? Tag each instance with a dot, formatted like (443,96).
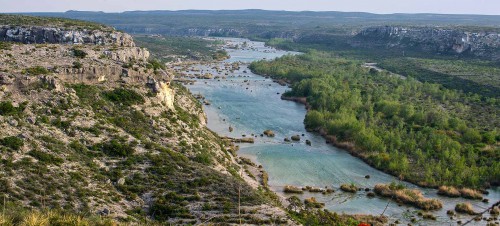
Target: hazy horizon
(479,7)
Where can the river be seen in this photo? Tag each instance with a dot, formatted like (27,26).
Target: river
(251,104)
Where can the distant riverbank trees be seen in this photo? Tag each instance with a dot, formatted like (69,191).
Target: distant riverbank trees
(419,131)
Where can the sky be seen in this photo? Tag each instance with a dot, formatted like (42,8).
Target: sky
(485,7)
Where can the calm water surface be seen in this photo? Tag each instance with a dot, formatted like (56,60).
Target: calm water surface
(251,104)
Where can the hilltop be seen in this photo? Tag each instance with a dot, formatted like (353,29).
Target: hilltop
(92,125)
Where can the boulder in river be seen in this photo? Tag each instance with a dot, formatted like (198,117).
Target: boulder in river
(308,142)
(296,138)
(269,133)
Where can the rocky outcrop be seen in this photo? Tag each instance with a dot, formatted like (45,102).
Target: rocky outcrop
(432,39)
(162,89)
(128,54)
(53,35)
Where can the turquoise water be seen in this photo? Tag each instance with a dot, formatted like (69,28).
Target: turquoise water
(251,104)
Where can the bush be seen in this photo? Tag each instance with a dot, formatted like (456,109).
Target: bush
(117,148)
(6,108)
(349,188)
(204,158)
(470,193)
(448,191)
(77,65)
(465,208)
(37,70)
(79,53)
(155,65)
(46,157)
(124,96)
(5,46)
(409,196)
(12,142)
(292,189)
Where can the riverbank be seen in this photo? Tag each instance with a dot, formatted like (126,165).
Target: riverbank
(251,104)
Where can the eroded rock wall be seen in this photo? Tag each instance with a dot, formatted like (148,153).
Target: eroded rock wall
(432,39)
(53,35)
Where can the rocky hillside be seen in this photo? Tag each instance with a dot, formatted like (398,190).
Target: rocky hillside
(452,41)
(90,124)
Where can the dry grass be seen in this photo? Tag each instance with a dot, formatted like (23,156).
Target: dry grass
(312,202)
(465,208)
(5,220)
(349,188)
(471,193)
(46,218)
(35,219)
(408,196)
(292,189)
(448,191)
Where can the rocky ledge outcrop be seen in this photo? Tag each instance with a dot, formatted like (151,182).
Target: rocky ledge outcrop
(128,54)
(53,35)
(432,39)
(162,89)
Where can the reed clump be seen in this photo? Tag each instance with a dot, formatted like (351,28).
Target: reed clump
(404,195)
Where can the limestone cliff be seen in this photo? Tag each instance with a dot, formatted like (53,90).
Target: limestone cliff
(456,41)
(76,56)
(55,35)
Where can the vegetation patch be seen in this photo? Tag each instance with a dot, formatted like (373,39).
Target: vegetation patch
(408,196)
(448,191)
(470,193)
(12,142)
(349,188)
(117,148)
(422,132)
(46,157)
(78,53)
(465,208)
(292,189)
(37,70)
(123,96)
(7,108)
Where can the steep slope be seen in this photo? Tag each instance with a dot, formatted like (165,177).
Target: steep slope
(451,41)
(94,126)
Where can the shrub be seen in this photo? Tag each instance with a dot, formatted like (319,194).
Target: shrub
(349,188)
(5,46)
(6,108)
(470,193)
(124,96)
(204,158)
(448,191)
(292,189)
(79,53)
(312,203)
(465,208)
(409,196)
(117,148)
(46,157)
(155,65)
(12,142)
(77,65)
(37,70)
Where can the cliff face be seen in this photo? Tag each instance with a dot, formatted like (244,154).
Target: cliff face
(53,35)
(433,40)
(99,129)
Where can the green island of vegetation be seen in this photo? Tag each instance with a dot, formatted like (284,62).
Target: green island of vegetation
(421,132)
